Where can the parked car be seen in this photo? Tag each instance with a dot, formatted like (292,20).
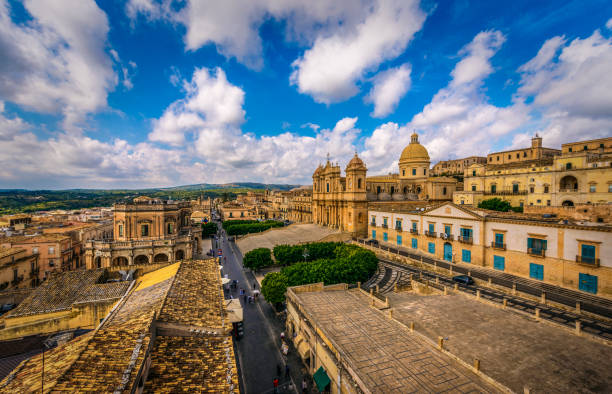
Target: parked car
(463,280)
(373,242)
(7,307)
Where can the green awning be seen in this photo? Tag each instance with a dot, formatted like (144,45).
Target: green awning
(321,379)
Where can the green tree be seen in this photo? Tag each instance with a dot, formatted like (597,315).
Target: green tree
(257,258)
(209,229)
(273,287)
(495,204)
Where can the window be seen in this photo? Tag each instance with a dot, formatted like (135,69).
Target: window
(546,189)
(474,173)
(34,250)
(548,203)
(497,158)
(473,188)
(462,202)
(587,254)
(231,214)
(586,147)
(601,145)
(384,222)
(499,263)
(610,188)
(424,171)
(531,189)
(328,187)
(524,154)
(592,188)
(509,156)
(377,189)
(398,225)
(432,227)
(466,256)
(536,271)
(490,158)
(444,190)
(499,239)
(431,247)
(399,239)
(373,220)
(241,214)
(144,230)
(385,237)
(515,188)
(466,232)
(404,172)
(15,274)
(536,245)
(414,226)
(359,183)
(415,243)
(568,166)
(447,230)
(51,250)
(493,188)
(121,230)
(539,201)
(570,149)
(373,234)
(169,228)
(414,171)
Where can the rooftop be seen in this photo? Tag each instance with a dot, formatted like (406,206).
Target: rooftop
(41,238)
(5,252)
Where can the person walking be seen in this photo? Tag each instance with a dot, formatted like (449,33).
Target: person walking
(278,369)
(304,386)
(286,370)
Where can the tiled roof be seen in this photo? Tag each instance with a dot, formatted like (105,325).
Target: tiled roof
(9,251)
(196,298)
(64,289)
(36,238)
(193,364)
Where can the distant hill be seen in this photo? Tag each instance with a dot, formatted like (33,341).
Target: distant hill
(236,185)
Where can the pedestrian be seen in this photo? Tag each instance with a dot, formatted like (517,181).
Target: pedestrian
(282,335)
(241,291)
(244,297)
(275,383)
(278,369)
(304,386)
(286,370)
(254,285)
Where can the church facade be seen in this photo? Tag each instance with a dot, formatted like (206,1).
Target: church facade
(342,201)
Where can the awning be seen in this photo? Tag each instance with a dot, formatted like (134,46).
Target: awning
(302,347)
(321,379)
(225,281)
(234,310)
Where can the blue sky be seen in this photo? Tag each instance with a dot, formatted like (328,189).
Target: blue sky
(162,93)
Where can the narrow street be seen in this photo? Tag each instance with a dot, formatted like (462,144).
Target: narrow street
(259,351)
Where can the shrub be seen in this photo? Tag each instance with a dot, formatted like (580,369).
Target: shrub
(247,228)
(273,287)
(257,258)
(495,204)
(209,229)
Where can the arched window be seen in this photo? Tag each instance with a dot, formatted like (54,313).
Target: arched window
(359,183)
(377,189)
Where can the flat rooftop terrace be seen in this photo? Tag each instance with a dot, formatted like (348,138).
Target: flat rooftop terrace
(290,235)
(515,350)
(384,354)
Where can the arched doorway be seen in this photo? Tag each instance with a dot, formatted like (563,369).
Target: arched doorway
(448,252)
(180,255)
(160,258)
(405,189)
(568,183)
(567,203)
(141,259)
(119,261)
(98,262)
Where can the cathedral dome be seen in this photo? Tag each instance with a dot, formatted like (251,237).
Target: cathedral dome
(414,152)
(356,163)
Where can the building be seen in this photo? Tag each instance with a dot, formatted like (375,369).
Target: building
(235,211)
(18,269)
(341,202)
(66,301)
(170,332)
(17,222)
(349,346)
(146,231)
(300,205)
(55,251)
(559,252)
(580,173)
(456,167)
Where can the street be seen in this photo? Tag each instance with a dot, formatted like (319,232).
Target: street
(259,351)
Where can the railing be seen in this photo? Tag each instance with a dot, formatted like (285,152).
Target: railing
(414,231)
(536,252)
(431,234)
(506,193)
(498,245)
(466,240)
(385,225)
(449,237)
(373,224)
(586,260)
(398,228)
(567,190)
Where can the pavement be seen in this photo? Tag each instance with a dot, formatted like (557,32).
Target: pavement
(290,235)
(258,352)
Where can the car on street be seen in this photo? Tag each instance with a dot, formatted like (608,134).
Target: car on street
(463,280)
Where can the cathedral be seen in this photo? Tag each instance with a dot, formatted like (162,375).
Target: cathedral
(342,201)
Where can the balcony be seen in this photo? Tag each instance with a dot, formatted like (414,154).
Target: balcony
(506,193)
(498,245)
(385,225)
(431,234)
(34,273)
(446,236)
(586,260)
(568,190)
(536,252)
(414,231)
(398,228)
(466,240)
(373,224)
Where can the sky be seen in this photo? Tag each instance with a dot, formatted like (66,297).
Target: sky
(146,93)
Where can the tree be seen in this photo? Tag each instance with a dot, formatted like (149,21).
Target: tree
(257,258)
(495,204)
(209,229)
(273,287)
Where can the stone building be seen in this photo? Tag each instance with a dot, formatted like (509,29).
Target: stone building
(18,268)
(146,231)
(342,202)
(581,173)
(559,252)
(456,167)
(300,205)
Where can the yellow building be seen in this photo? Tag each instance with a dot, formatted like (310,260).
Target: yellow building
(300,205)
(562,253)
(18,268)
(341,202)
(569,177)
(146,231)
(457,166)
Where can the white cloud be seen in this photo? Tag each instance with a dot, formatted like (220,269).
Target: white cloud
(609,24)
(331,70)
(475,65)
(56,62)
(389,87)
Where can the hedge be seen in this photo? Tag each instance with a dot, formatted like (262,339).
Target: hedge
(257,258)
(289,254)
(229,223)
(346,264)
(209,229)
(247,228)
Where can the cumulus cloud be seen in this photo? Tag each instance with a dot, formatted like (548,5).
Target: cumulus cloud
(389,87)
(475,64)
(331,70)
(56,61)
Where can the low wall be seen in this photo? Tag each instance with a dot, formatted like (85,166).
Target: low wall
(14,296)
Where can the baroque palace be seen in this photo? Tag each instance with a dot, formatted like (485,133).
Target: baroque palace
(342,202)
